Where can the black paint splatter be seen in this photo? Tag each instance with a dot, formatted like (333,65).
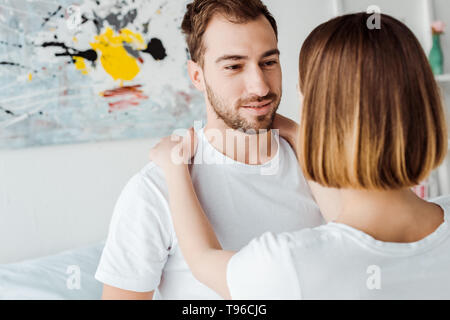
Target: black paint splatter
(84,19)
(131,51)
(90,54)
(11,44)
(156,49)
(8,63)
(145,26)
(115,20)
(15,64)
(98,22)
(7,111)
(128,18)
(51,14)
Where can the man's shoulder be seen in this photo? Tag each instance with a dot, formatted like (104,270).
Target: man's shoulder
(148,183)
(151,171)
(284,145)
(289,158)
(150,174)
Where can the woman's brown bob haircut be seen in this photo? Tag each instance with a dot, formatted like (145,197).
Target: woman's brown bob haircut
(200,12)
(372,114)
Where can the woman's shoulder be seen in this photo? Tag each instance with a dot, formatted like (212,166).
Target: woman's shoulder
(305,238)
(442,201)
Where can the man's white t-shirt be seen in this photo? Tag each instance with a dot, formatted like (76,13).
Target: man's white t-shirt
(241,201)
(336,261)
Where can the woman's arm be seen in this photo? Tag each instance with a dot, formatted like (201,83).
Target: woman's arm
(196,238)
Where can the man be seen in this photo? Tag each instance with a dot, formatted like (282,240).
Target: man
(246,189)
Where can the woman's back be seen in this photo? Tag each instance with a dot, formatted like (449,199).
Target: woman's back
(336,261)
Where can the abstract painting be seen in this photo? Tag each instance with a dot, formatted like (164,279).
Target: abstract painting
(93,70)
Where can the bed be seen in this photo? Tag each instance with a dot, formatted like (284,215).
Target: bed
(68,275)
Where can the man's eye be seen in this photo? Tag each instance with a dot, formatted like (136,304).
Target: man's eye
(233,67)
(270,63)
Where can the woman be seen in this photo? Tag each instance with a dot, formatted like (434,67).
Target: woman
(372,126)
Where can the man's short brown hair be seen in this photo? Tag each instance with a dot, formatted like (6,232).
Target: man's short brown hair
(200,12)
(372,112)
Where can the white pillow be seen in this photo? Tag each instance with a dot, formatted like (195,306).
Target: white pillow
(67,275)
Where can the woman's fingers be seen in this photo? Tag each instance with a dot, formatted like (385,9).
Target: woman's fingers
(190,143)
(175,148)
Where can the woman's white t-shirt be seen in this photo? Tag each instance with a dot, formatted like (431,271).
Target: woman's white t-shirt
(336,261)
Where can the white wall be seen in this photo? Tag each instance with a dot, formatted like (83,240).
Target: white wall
(59,197)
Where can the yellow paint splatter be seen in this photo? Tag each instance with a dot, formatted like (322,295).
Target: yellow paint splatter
(30,77)
(80,65)
(158,11)
(74,39)
(116,61)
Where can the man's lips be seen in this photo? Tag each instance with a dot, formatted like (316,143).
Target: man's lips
(259,108)
(257,104)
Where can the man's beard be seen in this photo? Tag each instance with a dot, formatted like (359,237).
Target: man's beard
(235,121)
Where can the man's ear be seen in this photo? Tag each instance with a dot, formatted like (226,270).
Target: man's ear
(196,75)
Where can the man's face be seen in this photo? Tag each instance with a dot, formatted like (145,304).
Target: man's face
(242,72)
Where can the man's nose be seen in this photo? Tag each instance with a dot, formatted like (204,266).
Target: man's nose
(257,83)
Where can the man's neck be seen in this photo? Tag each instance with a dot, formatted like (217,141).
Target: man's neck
(253,149)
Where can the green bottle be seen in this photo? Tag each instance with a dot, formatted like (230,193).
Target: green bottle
(436,56)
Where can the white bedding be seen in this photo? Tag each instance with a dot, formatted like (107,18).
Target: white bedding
(47,278)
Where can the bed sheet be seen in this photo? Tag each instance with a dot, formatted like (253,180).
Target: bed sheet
(68,275)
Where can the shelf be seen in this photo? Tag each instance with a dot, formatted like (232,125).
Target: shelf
(443,78)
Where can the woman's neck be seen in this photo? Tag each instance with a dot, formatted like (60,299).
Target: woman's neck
(390,216)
